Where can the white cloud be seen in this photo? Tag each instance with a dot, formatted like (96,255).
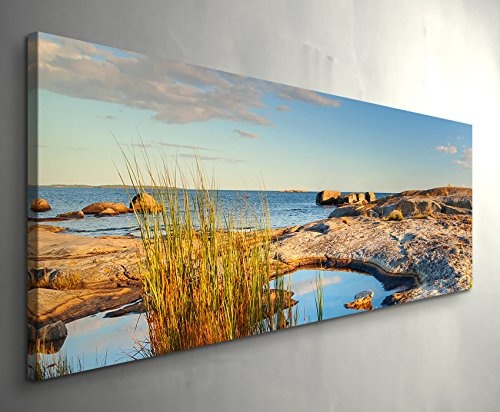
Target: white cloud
(307,286)
(246,135)
(173,92)
(282,108)
(449,148)
(465,158)
(306,96)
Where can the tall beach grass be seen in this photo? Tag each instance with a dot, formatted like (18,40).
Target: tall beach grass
(206,270)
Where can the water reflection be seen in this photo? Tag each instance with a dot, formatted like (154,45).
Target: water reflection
(339,288)
(100,339)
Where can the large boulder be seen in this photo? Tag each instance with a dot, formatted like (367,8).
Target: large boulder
(98,207)
(144,202)
(40,205)
(328,197)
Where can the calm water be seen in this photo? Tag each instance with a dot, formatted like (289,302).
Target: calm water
(286,209)
(96,340)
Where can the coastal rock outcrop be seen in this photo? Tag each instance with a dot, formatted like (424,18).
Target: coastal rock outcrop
(97,274)
(327,197)
(437,202)
(98,207)
(40,205)
(436,252)
(144,202)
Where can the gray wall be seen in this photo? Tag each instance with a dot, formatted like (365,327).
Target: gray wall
(434,57)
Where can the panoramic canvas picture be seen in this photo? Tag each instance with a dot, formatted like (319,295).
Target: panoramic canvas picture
(172,206)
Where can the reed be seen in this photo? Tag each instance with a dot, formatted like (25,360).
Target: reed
(206,270)
(318,295)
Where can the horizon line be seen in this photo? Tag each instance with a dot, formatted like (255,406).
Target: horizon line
(300,190)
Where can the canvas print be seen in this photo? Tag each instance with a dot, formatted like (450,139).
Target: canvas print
(172,206)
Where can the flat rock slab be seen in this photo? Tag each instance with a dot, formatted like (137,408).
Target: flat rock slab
(49,305)
(106,267)
(103,262)
(438,252)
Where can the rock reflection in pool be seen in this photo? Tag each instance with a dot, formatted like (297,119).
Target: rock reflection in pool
(97,341)
(339,287)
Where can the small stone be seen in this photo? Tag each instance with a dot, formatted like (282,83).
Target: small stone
(71,215)
(362,301)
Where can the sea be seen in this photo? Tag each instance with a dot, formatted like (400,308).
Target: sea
(285,208)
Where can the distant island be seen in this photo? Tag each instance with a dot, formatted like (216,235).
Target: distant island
(294,191)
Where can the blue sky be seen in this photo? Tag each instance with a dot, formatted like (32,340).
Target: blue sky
(248,133)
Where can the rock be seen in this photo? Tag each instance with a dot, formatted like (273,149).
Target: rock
(137,307)
(63,216)
(370,213)
(277,301)
(350,198)
(362,301)
(438,202)
(452,210)
(346,211)
(144,202)
(411,207)
(327,197)
(46,306)
(107,212)
(436,252)
(365,294)
(370,197)
(107,266)
(98,207)
(71,215)
(38,344)
(361,197)
(40,205)
(31,333)
(49,228)
(48,333)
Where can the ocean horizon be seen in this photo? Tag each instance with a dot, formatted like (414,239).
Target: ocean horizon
(286,208)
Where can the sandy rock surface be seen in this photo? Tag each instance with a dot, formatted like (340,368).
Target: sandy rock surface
(106,270)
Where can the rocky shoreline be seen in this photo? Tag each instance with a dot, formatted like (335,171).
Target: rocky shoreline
(425,235)
(428,252)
